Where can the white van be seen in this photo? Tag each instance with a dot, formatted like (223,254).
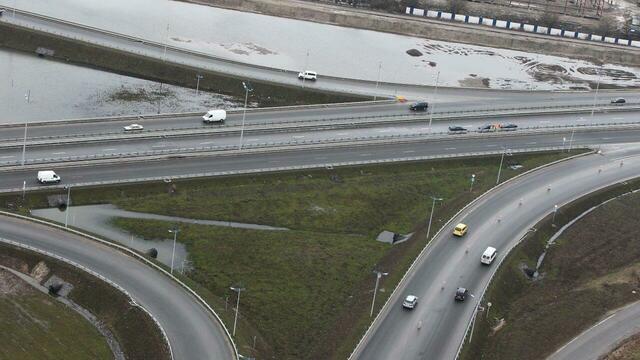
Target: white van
(215,116)
(488,255)
(48,177)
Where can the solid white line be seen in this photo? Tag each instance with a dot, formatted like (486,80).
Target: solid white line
(58,153)
(532,143)
(298,136)
(491,145)
(365,154)
(449,148)
(6,157)
(207,142)
(109,149)
(409,151)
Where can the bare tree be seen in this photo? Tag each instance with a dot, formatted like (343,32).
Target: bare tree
(607,25)
(548,18)
(457,6)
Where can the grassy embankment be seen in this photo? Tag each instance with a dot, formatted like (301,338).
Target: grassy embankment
(95,56)
(627,350)
(592,269)
(135,331)
(34,326)
(308,289)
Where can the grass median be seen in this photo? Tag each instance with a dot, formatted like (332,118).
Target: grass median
(308,290)
(591,269)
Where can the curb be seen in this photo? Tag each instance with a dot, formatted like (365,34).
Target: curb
(385,308)
(136,256)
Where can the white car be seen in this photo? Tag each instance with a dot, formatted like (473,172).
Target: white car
(308,75)
(410,302)
(133,127)
(48,177)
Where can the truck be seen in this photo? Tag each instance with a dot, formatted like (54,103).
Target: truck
(214,116)
(48,177)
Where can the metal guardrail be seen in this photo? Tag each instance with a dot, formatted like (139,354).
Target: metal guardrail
(385,308)
(135,255)
(132,301)
(272,146)
(287,124)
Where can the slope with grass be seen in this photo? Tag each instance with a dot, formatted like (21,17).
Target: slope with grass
(35,326)
(591,269)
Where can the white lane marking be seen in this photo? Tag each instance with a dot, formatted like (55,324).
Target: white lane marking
(298,136)
(207,142)
(449,148)
(59,153)
(6,157)
(274,161)
(491,145)
(342,134)
(109,149)
(253,139)
(321,158)
(409,151)
(618,118)
(545,122)
(606,138)
(161,145)
(532,143)
(365,154)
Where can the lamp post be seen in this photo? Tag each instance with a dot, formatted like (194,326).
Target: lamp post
(166,39)
(571,139)
(237,289)
(553,219)
(595,97)
(433,105)
(375,95)
(306,64)
(247,89)
(473,180)
(504,151)
(175,232)
(379,274)
(433,206)
(68,209)
(198,77)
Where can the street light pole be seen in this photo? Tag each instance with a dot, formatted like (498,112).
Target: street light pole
(433,104)
(235,321)
(306,64)
(595,97)
(247,88)
(166,39)
(375,95)
(433,206)
(571,139)
(173,252)
(379,274)
(473,179)
(66,216)
(555,210)
(198,77)
(500,167)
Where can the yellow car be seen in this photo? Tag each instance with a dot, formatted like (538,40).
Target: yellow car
(460,230)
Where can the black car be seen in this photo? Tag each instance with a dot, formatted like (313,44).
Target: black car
(457,129)
(461,294)
(419,106)
(508,127)
(486,128)
(618,101)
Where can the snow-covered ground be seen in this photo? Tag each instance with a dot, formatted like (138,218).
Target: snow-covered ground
(344,52)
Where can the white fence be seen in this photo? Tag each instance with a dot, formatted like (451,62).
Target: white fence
(528,28)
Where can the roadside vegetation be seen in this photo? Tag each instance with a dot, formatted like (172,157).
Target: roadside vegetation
(308,290)
(629,349)
(135,332)
(591,269)
(35,326)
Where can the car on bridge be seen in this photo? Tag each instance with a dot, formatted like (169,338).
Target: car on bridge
(48,177)
(618,100)
(410,302)
(508,127)
(419,106)
(457,130)
(134,127)
(308,75)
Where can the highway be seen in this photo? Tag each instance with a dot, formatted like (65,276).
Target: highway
(191,329)
(603,337)
(497,220)
(243,71)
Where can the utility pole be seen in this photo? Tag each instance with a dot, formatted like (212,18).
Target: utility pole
(375,95)
(68,209)
(433,104)
(504,150)
(198,77)
(175,232)
(247,88)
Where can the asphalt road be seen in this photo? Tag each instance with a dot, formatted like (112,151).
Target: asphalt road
(603,337)
(192,331)
(244,71)
(496,220)
(248,160)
